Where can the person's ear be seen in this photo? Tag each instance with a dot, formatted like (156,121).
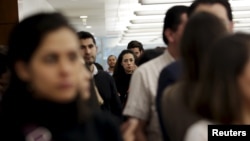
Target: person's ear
(22,72)
(169,34)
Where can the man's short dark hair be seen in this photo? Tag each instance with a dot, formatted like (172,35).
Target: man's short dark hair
(173,19)
(135,44)
(111,56)
(224,3)
(85,35)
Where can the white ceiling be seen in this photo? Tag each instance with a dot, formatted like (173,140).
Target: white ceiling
(124,20)
(116,22)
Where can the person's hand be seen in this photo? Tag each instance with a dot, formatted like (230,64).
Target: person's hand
(128,130)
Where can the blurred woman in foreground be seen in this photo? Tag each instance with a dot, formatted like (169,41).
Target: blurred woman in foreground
(43,101)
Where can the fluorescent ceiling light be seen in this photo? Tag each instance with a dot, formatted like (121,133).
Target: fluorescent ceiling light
(147,21)
(145,26)
(242,25)
(152,2)
(246,12)
(140,37)
(160,20)
(88,26)
(241,28)
(143,30)
(142,34)
(240,2)
(242,20)
(241,16)
(154,12)
(240,8)
(148,17)
(162,12)
(83,17)
(163,7)
(146,2)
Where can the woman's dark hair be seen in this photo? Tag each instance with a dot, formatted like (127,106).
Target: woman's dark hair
(27,35)
(218,96)
(150,54)
(119,70)
(201,31)
(26,38)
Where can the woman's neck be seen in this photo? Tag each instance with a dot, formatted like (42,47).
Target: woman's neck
(129,72)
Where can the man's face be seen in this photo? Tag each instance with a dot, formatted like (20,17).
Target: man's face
(219,11)
(178,33)
(89,50)
(136,51)
(111,61)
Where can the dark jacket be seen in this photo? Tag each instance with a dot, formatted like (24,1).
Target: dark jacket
(54,122)
(122,83)
(168,76)
(107,89)
(98,66)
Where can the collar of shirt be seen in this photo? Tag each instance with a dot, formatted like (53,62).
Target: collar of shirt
(95,71)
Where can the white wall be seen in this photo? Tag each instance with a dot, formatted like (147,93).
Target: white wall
(30,7)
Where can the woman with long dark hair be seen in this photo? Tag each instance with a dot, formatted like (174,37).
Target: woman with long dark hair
(222,95)
(124,69)
(49,86)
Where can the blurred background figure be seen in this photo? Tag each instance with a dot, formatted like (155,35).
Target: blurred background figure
(124,69)
(104,82)
(201,32)
(136,47)
(220,8)
(44,99)
(150,54)
(4,72)
(222,95)
(111,62)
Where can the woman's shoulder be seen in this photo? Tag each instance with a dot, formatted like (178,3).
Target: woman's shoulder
(198,131)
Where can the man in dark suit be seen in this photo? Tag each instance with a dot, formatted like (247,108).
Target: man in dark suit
(104,82)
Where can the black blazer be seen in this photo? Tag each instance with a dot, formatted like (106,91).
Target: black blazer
(107,89)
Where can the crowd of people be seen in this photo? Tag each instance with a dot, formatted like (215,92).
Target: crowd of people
(52,88)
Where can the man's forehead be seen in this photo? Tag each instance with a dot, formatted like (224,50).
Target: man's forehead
(87,41)
(111,57)
(135,49)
